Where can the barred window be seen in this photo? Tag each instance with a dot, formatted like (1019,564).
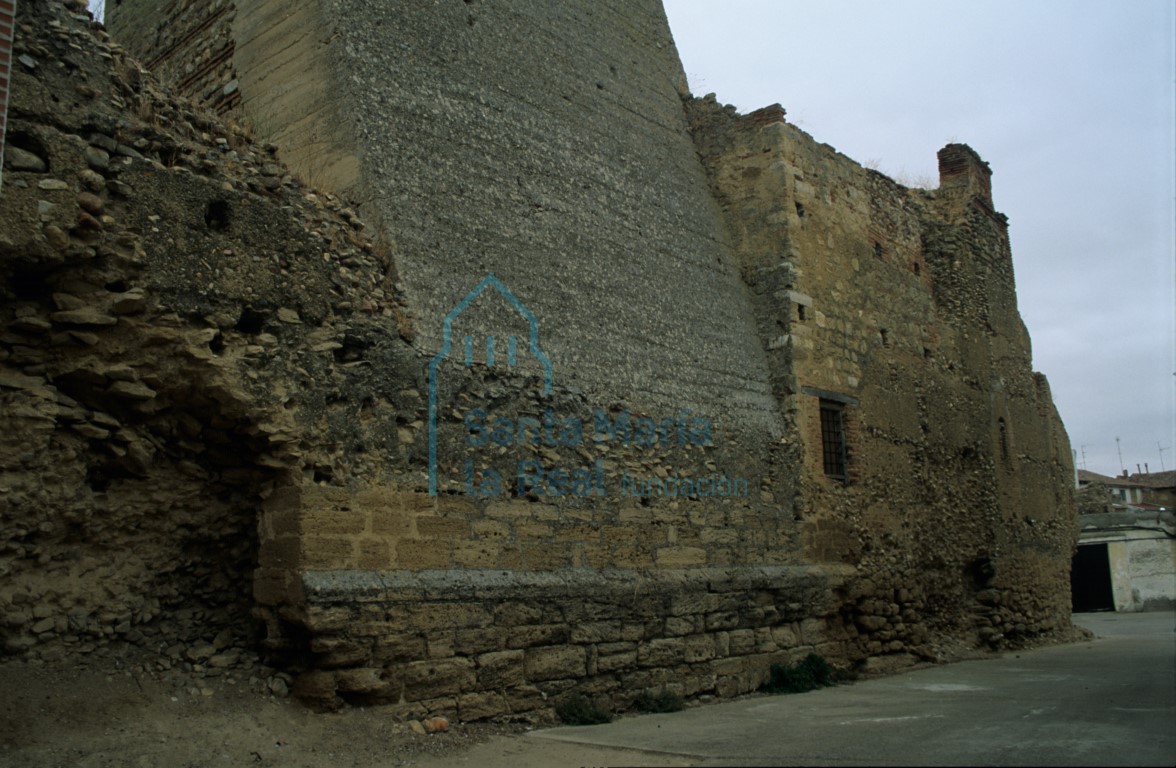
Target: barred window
(833,439)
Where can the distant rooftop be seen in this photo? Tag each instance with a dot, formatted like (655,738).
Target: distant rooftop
(1137,480)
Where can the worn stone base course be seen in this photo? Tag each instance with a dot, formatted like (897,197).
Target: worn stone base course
(479,643)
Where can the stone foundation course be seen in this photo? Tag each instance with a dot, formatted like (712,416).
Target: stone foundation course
(473,644)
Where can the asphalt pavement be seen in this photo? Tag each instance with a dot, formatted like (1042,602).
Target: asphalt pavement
(1109,701)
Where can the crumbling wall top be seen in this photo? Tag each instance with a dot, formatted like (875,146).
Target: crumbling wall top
(962,169)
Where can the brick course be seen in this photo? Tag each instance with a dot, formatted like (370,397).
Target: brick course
(7,32)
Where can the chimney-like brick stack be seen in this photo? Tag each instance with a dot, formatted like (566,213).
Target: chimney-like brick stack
(7,29)
(961,168)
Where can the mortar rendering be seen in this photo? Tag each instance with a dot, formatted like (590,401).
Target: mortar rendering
(459,358)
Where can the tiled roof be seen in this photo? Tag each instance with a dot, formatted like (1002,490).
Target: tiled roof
(1137,480)
(1086,476)
(1155,479)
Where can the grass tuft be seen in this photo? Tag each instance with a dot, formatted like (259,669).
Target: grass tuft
(579,710)
(810,673)
(665,701)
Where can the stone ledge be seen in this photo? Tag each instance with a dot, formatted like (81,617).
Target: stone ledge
(485,584)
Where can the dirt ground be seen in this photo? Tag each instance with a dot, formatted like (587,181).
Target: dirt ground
(107,711)
(89,718)
(62,717)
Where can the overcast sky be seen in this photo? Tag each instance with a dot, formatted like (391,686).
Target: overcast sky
(1072,104)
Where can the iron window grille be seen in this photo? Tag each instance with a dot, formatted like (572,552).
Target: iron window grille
(833,440)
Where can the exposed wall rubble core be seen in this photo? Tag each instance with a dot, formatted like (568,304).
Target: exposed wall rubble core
(228,375)
(155,266)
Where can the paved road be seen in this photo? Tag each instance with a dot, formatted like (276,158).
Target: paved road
(1111,701)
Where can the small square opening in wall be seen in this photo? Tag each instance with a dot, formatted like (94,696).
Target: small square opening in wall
(800,313)
(884,335)
(216,215)
(833,456)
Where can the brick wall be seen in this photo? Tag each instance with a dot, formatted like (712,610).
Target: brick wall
(188,43)
(7,29)
(960,167)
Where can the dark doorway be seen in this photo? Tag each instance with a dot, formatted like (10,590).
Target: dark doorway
(1090,580)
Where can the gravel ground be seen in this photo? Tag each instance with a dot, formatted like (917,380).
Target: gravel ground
(100,715)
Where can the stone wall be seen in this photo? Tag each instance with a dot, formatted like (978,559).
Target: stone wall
(555,137)
(260,63)
(1093,498)
(900,305)
(190,43)
(185,320)
(478,643)
(170,293)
